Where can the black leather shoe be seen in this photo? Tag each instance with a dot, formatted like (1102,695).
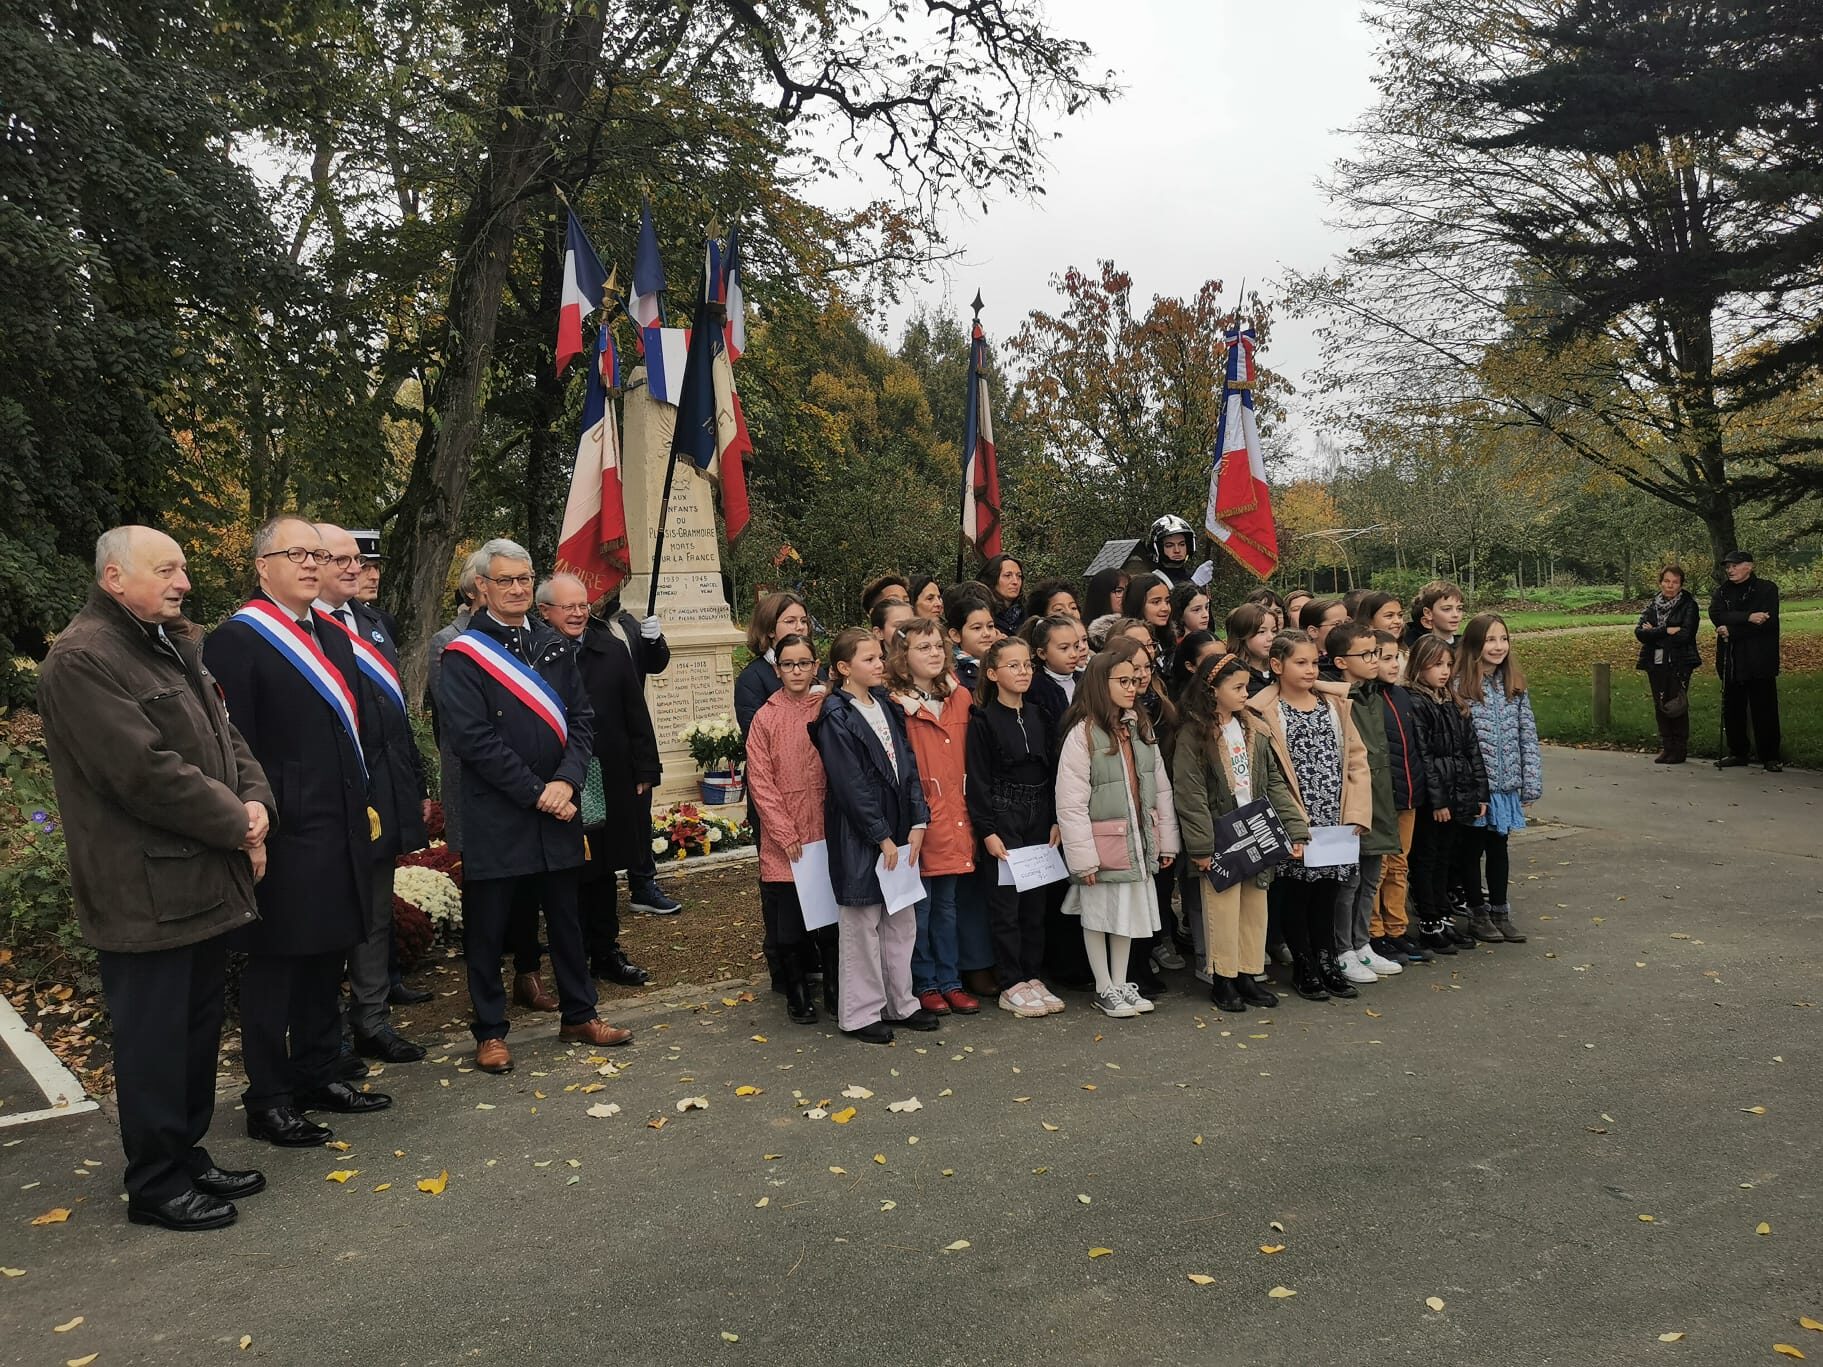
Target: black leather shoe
(340,1097)
(349,1067)
(918,1020)
(1774,766)
(1733,762)
(1150,985)
(231,1186)
(1225,993)
(876,1032)
(618,969)
(401,995)
(389,1046)
(1309,983)
(192,1210)
(1253,993)
(1334,979)
(287,1127)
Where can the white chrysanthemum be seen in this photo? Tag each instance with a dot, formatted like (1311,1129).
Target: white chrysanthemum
(432,892)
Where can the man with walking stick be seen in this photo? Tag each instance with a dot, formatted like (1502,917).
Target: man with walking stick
(1745,611)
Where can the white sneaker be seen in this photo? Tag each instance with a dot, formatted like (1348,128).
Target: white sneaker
(1113,1002)
(1165,957)
(1378,962)
(1134,1000)
(1355,969)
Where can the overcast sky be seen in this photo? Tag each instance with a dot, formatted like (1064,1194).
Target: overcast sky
(1204,169)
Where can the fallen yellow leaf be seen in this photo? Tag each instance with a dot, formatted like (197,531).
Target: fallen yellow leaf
(880,1158)
(657,1122)
(66,1326)
(730,1001)
(12,1271)
(1645,1219)
(1788,1350)
(839,1172)
(1200,1278)
(1754,1110)
(1088,1086)
(856,1093)
(746,1090)
(246,1342)
(1100,1252)
(1375,1014)
(1198,1140)
(1270,1249)
(762,1203)
(1804,1321)
(433,1186)
(384,1186)
(730,1338)
(843,1116)
(339,1145)
(1082,1197)
(1762,1228)
(341,1174)
(757,1039)
(1434,1302)
(1049,1126)
(1670,1338)
(692,1103)
(956,1247)
(1279,1293)
(85,1361)
(1275,1227)
(771,1157)
(52,1217)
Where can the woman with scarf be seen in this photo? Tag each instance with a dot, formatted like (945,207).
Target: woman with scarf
(1668,654)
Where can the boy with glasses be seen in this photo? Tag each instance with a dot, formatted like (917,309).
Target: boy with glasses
(1356,655)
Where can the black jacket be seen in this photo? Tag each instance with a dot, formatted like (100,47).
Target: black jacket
(508,753)
(1012,774)
(625,744)
(1454,776)
(1750,651)
(756,683)
(1046,695)
(866,801)
(1680,650)
(314,897)
(395,770)
(1403,755)
(649,657)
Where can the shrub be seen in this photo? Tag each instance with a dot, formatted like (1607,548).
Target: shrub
(40,918)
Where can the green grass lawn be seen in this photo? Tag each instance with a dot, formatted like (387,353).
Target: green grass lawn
(1559,670)
(1550,619)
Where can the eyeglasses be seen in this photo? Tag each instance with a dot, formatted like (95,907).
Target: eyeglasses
(1123,681)
(1373,654)
(797,664)
(568,609)
(344,562)
(299,555)
(510,581)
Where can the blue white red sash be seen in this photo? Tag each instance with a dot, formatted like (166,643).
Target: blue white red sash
(516,677)
(378,669)
(300,650)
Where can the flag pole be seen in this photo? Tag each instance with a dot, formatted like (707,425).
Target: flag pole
(704,318)
(969,398)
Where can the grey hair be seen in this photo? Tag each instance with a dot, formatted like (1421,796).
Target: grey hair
(548,589)
(471,575)
(266,538)
(113,547)
(502,549)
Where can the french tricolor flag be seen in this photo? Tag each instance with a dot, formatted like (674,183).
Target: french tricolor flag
(666,350)
(644,307)
(583,279)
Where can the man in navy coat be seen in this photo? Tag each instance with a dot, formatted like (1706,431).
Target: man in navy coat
(515,712)
(285,676)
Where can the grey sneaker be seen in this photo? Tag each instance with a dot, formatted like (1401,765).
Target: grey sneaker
(1482,927)
(1131,993)
(1165,956)
(1114,1003)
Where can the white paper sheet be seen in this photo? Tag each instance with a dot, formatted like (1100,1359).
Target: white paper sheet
(816,895)
(901,886)
(1033,866)
(1329,846)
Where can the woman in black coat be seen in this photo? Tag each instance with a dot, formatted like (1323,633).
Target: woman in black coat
(1667,652)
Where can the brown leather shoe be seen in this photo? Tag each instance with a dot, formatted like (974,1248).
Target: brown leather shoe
(597,1032)
(491,1056)
(529,992)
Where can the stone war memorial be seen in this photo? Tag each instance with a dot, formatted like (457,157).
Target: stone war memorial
(699,684)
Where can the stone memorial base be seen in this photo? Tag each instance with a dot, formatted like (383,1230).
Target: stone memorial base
(699,685)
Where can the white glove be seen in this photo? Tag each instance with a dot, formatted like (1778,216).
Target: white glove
(1202,574)
(651,628)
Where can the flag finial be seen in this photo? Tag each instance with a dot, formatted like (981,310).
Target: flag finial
(977,306)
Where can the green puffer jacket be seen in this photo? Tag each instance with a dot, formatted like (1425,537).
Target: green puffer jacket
(1204,788)
(1092,785)
(1367,702)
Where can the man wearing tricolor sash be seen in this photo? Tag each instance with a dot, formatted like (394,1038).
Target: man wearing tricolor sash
(396,791)
(516,714)
(284,673)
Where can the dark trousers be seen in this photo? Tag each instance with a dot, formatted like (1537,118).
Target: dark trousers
(600,906)
(369,963)
(167,1007)
(487,914)
(1017,921)
(1307,912)
(291,1024)
(1474,846)
(1671,681)
(1755,701)
(522,928)
(644,868)
(1433,850)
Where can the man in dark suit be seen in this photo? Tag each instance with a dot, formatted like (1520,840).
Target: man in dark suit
(396,790)
(285,676)
(644,640)
(165,812)
(517,716)
(1745,611)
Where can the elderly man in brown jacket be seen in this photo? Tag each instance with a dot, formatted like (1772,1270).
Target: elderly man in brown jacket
(165,812)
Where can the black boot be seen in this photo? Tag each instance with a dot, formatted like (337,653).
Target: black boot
(1253,993)
(1307,979)
(1333,977)
(799,1005)
(1226,995)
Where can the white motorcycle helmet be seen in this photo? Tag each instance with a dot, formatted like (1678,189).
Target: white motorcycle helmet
(1172,525)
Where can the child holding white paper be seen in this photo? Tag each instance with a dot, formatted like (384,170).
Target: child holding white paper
(936,721)
(874,813)
(1315,741)
(785,783)
(1011,803)
(1117,821)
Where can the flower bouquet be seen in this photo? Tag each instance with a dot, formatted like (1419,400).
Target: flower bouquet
(718,749)
(686,829)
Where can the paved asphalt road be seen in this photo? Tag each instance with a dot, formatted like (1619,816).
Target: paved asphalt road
(1489,1131)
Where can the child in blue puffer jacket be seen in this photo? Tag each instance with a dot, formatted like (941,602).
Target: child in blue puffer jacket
(1491,682)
